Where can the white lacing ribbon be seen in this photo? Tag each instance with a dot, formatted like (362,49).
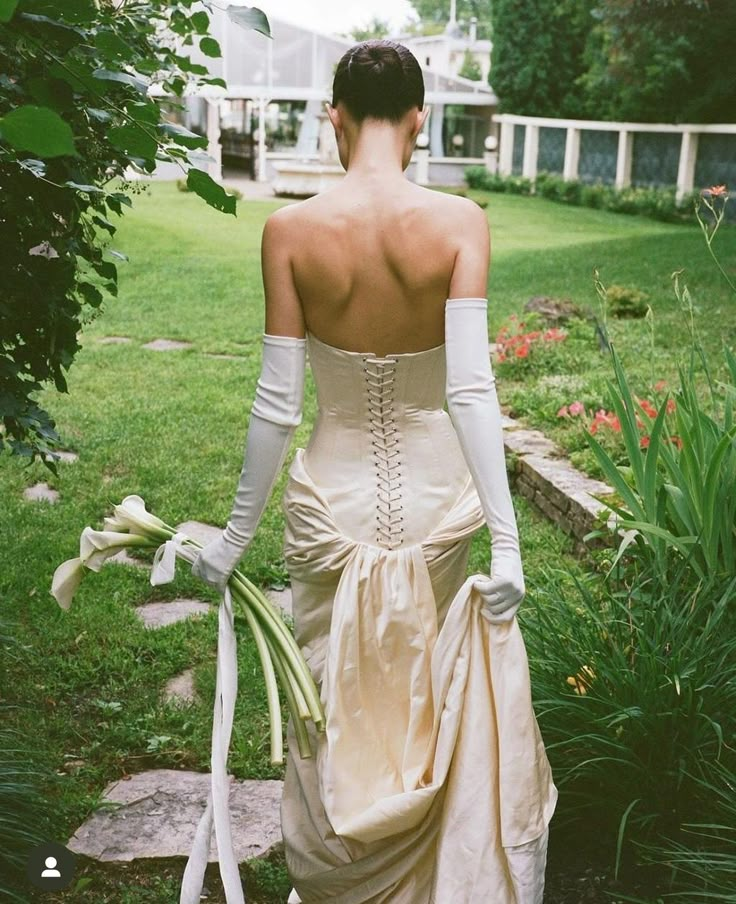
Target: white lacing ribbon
(218,799)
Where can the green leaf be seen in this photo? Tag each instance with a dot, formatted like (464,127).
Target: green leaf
(113,46)
(201,22)
(126,78)
(40,130)
(132,140)
(615,477)
(144,111)
(7,8)
(183,136)
(206,187)
(652,458)
(87,188)
(712,484)
(210,47)
(620,838)
(250,17)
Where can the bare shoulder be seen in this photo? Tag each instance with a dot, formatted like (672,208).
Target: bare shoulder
(283,217)
(461,214)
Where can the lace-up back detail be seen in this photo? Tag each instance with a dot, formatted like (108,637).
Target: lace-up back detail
(382,428)
(380,376)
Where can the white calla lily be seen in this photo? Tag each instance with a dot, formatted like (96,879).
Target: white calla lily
(132,514)
(95,546)
(67,578)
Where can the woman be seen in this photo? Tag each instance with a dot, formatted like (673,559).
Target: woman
(431,783)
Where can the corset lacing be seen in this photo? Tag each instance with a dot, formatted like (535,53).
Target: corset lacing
(379,375)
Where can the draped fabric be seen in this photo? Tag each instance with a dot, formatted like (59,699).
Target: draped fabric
(431,782)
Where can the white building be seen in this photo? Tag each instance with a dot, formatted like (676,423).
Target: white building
(276,89)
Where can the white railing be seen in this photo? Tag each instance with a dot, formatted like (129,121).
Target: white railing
(573,127)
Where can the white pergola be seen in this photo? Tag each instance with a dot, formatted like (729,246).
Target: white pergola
(298,63)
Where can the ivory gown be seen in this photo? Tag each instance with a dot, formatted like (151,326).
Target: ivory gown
(431,784)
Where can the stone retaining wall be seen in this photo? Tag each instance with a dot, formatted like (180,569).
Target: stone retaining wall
(547,479)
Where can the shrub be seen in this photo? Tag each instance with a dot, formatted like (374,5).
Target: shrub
(635,687)
(75,115)
(656,202)
(625,301)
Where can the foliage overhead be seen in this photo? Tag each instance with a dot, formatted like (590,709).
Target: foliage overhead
(629,60)
(86,94)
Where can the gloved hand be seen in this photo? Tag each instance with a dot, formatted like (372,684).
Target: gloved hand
(473,407)
(276,413)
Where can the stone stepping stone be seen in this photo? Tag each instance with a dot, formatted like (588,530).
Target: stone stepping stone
(199,531)
(158,814)
(166,345)
(113,340)
(281,598)
(41,492)
(65,455)
(158,615)
(180,688)
(124,558)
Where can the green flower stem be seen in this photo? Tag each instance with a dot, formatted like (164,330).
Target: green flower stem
(302,736)
(272,691)
(285,639)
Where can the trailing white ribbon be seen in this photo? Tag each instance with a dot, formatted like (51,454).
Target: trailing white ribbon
(164,559)
(217,809)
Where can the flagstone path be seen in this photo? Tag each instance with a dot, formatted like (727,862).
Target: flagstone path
(157,814)
(166,345)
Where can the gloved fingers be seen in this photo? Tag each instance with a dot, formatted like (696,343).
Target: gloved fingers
(503,617)
(212,576)
(498,595)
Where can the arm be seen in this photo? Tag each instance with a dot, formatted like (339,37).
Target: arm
(476,415)
(276,412)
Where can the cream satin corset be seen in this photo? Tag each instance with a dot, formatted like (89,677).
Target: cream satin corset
(383,449)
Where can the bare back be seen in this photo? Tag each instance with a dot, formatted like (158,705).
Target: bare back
(372,267)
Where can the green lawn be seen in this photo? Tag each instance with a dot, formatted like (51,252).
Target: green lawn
(169,426)
(542,247)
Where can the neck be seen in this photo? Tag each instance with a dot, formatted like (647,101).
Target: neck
(378,152)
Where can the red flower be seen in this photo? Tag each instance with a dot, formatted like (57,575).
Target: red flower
(563,412)
(522,351)
(676,440)
(670,406)
(577,408)
(605,417)
(647,406)
(717,190)
(660,385)
(644,442)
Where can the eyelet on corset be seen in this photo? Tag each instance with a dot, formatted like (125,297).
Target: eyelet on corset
(380,378)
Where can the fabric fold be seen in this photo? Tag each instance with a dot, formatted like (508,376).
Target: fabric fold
(431,748)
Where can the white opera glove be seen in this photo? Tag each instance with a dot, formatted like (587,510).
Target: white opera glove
(274,417)
(473,406)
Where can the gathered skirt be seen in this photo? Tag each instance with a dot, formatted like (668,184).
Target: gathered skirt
(431,784)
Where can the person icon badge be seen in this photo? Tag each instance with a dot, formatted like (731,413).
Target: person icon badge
(50,866)
(51,872)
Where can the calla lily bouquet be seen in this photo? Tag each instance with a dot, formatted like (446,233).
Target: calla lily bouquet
(133,525)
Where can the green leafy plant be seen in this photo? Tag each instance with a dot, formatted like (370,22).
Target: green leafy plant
(23,807)
(657,202)
(677,491)
(76,113)
(635,687)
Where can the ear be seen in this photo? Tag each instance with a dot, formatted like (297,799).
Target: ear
(334,115)
(419,124)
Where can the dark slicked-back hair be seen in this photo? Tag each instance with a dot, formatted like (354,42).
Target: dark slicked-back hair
(378,79)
